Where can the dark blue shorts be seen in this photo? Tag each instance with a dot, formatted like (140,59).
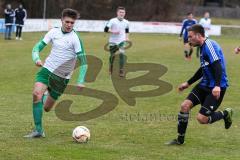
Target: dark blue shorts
(203,95)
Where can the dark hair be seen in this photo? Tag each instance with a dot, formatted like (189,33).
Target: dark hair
(68,12)
(189,13)
(121,8)
(197,28)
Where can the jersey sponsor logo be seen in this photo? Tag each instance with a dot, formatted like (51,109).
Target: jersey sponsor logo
(211,107)
(204,63)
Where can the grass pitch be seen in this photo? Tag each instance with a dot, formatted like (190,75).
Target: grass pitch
(127,132)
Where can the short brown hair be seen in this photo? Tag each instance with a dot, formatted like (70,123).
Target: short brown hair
(121,8)
(197,28)
(68,12)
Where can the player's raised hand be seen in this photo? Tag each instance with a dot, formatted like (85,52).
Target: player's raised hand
(237,50)
(80,86)
(183,86)
(39,63)
(216,92)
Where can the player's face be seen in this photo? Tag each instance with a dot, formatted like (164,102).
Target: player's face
(193,38)
(190,16)
(121,13)
(67,24)
(206,15)
(9,6)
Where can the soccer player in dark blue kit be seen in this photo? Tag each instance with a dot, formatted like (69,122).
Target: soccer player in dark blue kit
(188,49)
(209,92)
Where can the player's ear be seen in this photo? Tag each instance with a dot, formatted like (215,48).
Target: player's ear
(197,35)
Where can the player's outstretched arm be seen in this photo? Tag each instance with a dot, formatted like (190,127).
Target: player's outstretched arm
(183,28)
(35,52)
(183,86)
(193,79)
(198,74)
(83,69)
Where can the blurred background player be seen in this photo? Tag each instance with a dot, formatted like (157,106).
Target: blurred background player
(188,49)
(58,67)
(211,89)
(9,18)
(119,29)
(20,17)
(206,23)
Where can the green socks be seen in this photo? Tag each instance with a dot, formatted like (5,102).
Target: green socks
(44,97)
(37,115)
(121,60)
(111,59)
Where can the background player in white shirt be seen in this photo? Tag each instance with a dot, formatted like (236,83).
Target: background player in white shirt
(119,29)
(58,67)
(206,23)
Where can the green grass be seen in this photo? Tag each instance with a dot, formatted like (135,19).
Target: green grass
(115,135)
(225,21)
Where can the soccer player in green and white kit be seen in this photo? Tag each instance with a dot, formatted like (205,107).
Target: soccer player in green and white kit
(58,67)
(118,27)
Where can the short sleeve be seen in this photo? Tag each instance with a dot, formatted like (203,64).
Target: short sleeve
(184,24)
(212,51)
(48,37)
(127,24)
(109,23)
(77,45)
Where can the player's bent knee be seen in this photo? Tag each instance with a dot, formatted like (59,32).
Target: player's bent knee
(186,106)
(37,96)
(47,109)
(202,119)
(49,104)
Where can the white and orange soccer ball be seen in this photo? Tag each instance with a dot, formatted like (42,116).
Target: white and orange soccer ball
(81,134)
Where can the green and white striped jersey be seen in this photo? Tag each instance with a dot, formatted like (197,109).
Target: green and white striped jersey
(65,46)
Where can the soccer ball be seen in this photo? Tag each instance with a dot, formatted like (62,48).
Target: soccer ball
(81,134)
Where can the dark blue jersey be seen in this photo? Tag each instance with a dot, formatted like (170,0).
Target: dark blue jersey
(20,15)
(210,52)
(185,25)
(9,16)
